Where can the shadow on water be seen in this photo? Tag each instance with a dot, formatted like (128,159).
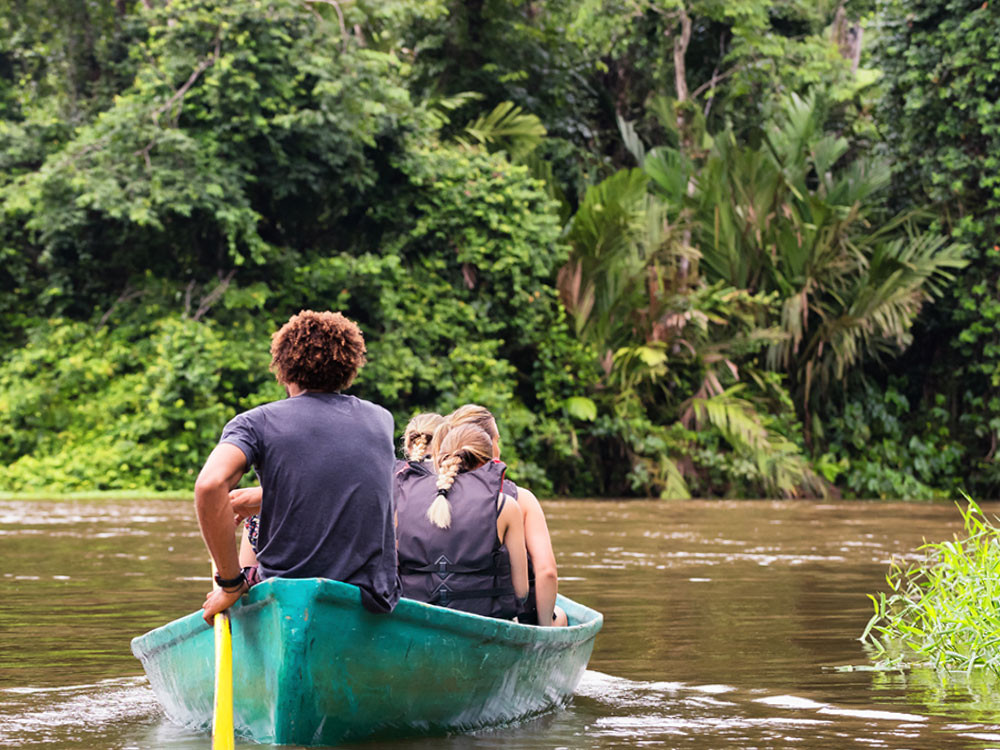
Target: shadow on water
(727,625)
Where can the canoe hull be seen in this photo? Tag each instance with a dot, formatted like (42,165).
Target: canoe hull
(312,667)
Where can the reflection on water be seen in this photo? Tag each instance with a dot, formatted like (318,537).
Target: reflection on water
(728,624)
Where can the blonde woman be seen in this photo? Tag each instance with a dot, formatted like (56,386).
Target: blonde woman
(417,440)
(417,449)
(460,537)
(540,609)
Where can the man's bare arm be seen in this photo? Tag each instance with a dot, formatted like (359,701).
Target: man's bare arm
(221,472)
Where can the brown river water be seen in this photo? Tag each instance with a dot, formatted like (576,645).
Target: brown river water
(727,625)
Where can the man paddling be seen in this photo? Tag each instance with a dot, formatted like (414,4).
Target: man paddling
(325,463)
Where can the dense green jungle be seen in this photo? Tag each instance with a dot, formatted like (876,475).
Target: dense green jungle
(681,248)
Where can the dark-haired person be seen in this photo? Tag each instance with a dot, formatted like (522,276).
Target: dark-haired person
(325,462)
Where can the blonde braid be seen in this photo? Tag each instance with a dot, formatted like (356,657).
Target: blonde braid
(417,449)
(418,435)
(456,449)
(439,513)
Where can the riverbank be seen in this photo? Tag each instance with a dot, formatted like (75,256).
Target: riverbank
(98,495)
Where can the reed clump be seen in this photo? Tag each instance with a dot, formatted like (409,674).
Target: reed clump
(943,612)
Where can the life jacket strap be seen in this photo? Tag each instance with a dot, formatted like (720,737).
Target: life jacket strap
(443,596)
(444,569)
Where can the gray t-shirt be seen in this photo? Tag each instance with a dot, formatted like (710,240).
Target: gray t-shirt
(325,462)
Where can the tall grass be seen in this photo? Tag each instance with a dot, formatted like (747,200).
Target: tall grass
(945,611)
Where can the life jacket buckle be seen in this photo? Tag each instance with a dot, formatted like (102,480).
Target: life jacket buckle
(443,595)
(443,563)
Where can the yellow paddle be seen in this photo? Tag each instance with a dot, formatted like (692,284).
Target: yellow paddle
(223,734)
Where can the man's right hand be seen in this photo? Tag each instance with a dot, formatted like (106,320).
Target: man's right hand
(218,600)
(245,502)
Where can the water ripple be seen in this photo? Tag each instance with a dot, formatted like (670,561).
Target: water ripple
(40,715)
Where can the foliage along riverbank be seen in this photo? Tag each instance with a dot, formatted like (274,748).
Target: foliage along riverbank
(677,248)
(92,496)
(943,612)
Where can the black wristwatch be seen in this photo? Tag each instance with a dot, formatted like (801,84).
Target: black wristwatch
(231,583)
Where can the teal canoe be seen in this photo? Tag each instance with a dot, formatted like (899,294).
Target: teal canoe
(312,667)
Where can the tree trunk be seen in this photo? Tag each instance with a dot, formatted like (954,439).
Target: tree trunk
(686,141)
(847,36)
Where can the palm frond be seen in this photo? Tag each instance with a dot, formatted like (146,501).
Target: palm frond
(440,109)
(674,487)
(541,170)
(780,464)
(631,139)
(507,126)
(607,266)
(878,313)
(736,418)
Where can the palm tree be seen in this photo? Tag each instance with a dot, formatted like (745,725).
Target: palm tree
(681,272)
(673,348)
(796,218)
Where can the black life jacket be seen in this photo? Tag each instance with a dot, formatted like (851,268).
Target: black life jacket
(465,566)
(405,467)
(405,472)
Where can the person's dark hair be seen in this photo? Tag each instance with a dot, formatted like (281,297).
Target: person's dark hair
(317,351)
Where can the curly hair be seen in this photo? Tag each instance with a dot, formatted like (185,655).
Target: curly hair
(318,351)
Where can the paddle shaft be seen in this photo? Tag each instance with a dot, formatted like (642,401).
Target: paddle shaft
(223,734)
